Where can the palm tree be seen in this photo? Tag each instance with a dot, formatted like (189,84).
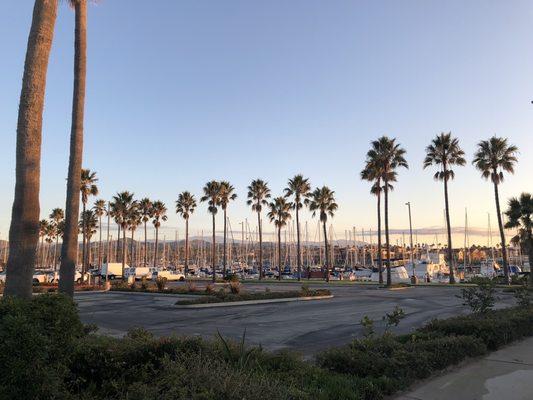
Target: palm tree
(134,219)
(226,195)
(88,224)
(279,214)
(87,188)
(520,215)
(99,210)
(258,193)
(72,207)
(492,158)
(57,216)
(212,192)
(372,173)
(300,188)
(159,213)
(24,228)
(122,205)
(185,206)
(391,157)
(445,152)
(43,231)
(145,207)
(49,239)
(323,202)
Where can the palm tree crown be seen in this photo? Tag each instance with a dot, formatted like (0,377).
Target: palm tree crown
(493,157)
(258,193)
(145,208)
(57,215)
(300,188)
(88,185)
(186,204)
(99,207)
(121,206)
(212,191)
(323,202)
(226,194)
(280,211)
(159,213)
(444,152)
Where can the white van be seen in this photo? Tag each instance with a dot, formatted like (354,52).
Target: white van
(169,274)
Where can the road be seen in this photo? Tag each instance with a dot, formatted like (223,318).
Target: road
(306,327)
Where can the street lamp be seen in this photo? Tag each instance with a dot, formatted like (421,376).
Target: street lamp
(408,204)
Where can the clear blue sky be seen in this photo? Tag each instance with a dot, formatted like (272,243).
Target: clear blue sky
(181,92)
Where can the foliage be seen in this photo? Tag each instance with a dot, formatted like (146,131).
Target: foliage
(393,318)
(37,338)
(235,287)
(368,326)
(522,296)
(161,283)
(480,298)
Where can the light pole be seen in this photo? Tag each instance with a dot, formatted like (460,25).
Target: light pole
(408,204)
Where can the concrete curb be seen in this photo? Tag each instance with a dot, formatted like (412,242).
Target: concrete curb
(178,295)
(253,302)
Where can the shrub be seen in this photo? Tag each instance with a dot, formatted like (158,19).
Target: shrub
(210,288)
(368,326)
(191,286)
(393,318)
(522,296)
(235,287)
(37,338)
(144,283)
(161,283)
(480,298)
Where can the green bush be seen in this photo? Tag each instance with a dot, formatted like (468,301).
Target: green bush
(480,298)
(37,338)
(495,328)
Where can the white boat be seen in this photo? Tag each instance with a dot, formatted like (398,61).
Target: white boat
(432,266)
(398,275)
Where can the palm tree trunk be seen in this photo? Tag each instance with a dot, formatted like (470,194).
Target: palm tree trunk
(131,248)
(213,251)
(100,242)
(502,233)
(156,244)
(298,249)
(530,257)
(55,252)
(186,247)
(24,229)
(261,274)
(326,251)
(84,239)
(387,243)
(224,259)
(42,252)
(279,253)
(449,230)
(380,261)
(145,246)
(117,252)
(72,208)
(123,250)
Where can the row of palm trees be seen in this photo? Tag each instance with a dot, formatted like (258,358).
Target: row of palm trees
(492,158)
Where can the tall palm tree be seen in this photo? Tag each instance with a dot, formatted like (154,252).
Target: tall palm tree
(49,239)
(43,231)
(520,215)
(185,206)
(159,213)
(299,188)
(212,192)
(445,152)
(323,202)
(87,188)
(279,214)
(258,193)
(492,158)
(72,207)
(122,205)
(145,207)
(372,173)
(88,224)
(134,219)
(391,157)
(56,216)
(226,195)
(99,209)
(24,228)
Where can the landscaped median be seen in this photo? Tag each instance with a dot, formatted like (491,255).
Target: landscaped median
(44,334)
(223,298)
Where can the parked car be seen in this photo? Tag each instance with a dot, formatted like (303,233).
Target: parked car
(40,277)
(169,274)
(138,272)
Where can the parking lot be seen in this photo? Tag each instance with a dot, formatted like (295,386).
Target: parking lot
(306,327)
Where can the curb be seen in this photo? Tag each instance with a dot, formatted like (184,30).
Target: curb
(253,302)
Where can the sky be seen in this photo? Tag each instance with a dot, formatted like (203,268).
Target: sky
(183,92)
